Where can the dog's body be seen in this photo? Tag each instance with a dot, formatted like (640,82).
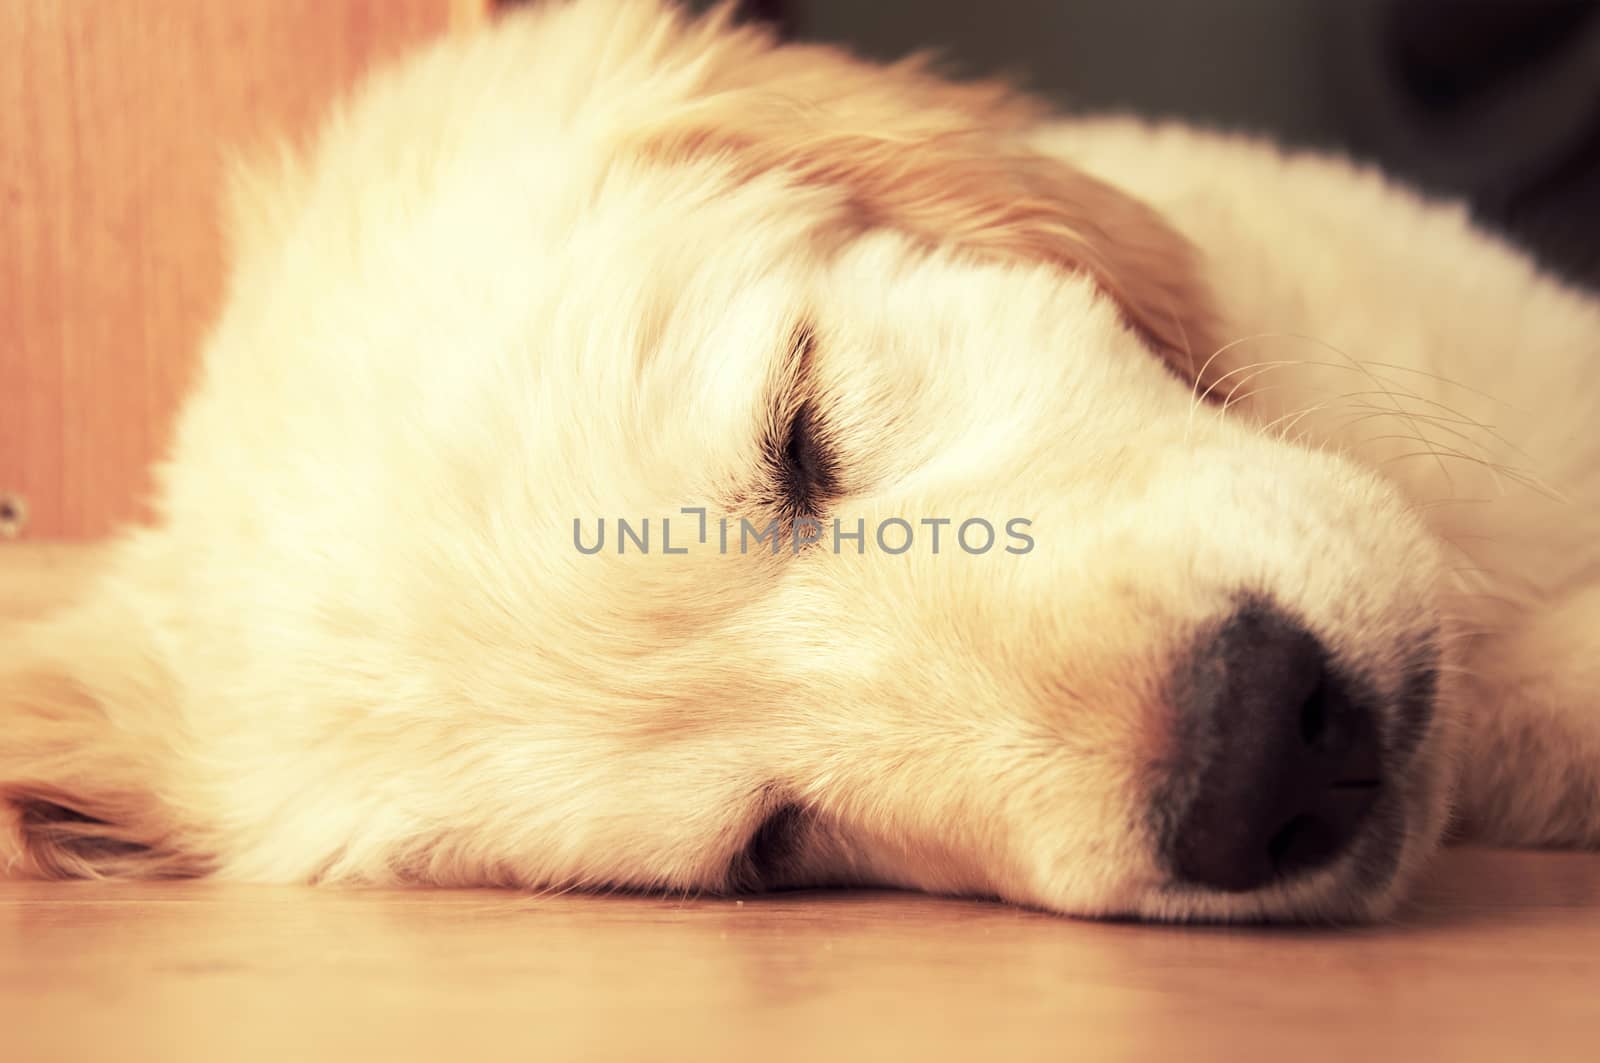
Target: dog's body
(601,263)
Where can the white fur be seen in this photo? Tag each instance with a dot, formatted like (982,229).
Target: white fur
(470,315)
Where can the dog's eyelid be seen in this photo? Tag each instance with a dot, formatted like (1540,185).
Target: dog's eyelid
(803,468)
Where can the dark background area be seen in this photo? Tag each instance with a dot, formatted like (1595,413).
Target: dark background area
(1495,101)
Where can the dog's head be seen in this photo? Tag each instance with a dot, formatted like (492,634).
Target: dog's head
(785,476)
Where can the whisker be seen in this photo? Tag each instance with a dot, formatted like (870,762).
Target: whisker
(1448,420)
(1252,372)
(1253,393)
(1437,502)
(1297,416)
(1275,364)
(1457,417)
(1439,451)
(1426,418)
(1451,383)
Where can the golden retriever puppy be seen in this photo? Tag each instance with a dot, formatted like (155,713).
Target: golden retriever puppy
(636,454)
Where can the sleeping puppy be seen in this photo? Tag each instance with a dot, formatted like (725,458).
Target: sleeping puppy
(637,455)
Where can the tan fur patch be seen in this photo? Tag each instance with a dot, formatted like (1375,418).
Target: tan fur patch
(939,161)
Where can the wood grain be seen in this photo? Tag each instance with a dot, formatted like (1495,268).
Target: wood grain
(1496,961)
(114,122)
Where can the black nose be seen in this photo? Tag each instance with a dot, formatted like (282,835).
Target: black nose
(1285,759)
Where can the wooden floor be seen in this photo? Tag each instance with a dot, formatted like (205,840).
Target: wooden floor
(1497,958)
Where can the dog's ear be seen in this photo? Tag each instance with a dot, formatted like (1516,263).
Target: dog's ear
(944,162)
(79,777)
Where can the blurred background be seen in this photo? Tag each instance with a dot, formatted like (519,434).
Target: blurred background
(1495,101)
(116,118)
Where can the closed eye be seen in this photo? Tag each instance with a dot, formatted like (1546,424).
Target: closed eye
(801,467)
(807,473)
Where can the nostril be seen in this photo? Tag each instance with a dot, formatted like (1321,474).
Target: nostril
(1286,762)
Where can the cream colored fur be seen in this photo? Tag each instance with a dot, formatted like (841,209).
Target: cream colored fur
(557,271)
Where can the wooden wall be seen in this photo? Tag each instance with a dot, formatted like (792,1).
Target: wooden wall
(115,116)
